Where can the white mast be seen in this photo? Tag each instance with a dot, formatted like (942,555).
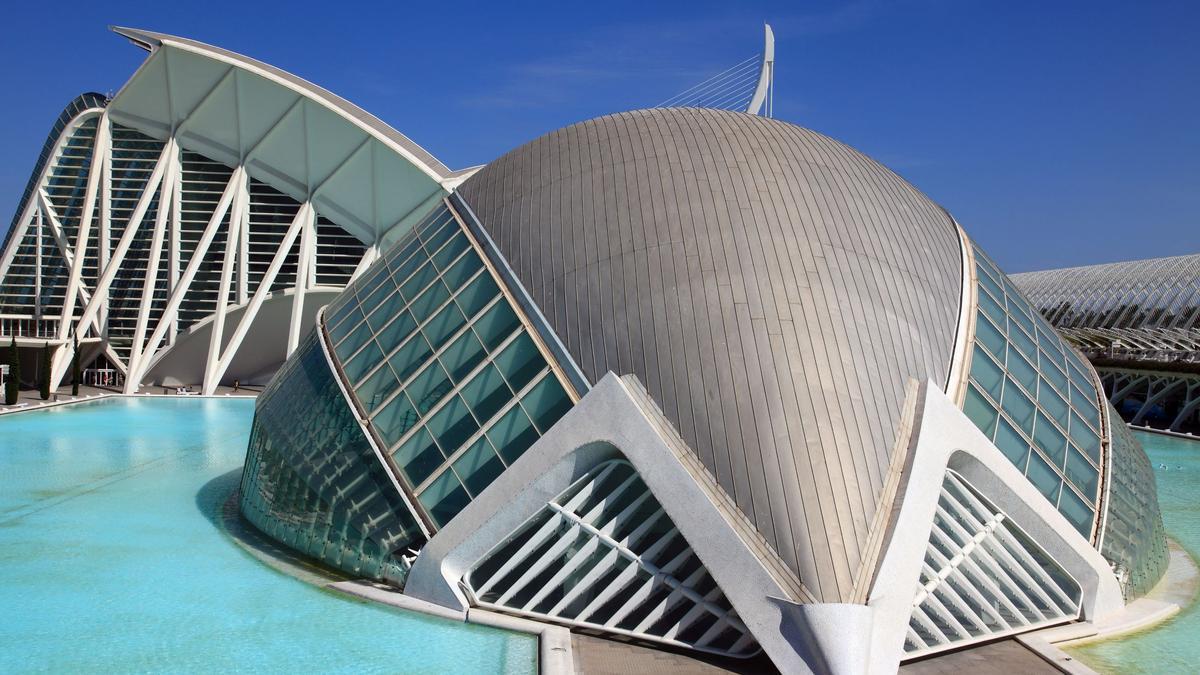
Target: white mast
(763,101)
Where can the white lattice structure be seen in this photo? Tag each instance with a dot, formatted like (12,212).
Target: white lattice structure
(1142,306)
(184,228)
(982,577)
(605,556)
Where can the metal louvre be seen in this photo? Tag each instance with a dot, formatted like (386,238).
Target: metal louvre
(982,577)
(605,556)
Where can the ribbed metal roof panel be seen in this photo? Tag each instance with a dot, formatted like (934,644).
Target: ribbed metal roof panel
(772,288)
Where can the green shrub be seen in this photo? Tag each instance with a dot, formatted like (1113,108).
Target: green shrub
(12,387)
(44,385)
(75,367)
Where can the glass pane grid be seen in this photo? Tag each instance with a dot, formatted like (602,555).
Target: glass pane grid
(452,382)
(411,291)
(517,410)
(423,352)
(1027,397)
(403,331)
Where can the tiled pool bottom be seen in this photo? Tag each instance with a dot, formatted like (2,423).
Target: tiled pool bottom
(110,560)
(1172,647)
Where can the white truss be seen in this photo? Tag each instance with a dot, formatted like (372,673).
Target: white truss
(604,556)
(1148,308)
(1152,388)
(208,186)
(982,577)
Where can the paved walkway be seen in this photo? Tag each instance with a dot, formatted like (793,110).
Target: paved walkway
(1006,657)
(599,656)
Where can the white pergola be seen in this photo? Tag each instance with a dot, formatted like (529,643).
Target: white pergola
(332,158)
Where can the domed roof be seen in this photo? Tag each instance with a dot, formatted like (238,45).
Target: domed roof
(772,288)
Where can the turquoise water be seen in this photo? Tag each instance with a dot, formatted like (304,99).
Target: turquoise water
(110,560)
(1173,647)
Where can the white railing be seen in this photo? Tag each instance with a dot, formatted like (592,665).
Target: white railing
(28,327)
(103,377)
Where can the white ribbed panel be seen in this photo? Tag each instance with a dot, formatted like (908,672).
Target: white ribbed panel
(605,556)
(982,577)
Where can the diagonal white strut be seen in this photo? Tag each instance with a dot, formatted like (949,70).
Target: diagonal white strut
(167,321)
(216,371)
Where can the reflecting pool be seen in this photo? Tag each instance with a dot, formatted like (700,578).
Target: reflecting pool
(110,559)
(1172,647)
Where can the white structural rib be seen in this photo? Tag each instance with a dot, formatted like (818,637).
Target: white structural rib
(142,237)
(184,283)
(982,577)
(605,556)
(763,100)
(290,133)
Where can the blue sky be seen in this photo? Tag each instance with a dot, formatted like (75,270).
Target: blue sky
(1057,133)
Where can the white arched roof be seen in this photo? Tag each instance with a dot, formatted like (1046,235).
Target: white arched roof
(289,133)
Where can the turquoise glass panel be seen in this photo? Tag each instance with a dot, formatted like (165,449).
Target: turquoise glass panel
(512,434)
(546,402)
(478,466)
(987,373)
(1022,371)
(1044,478)
(1012,444)
(1081,473)
(418,457)
(395,418)
(990,336)
(1018,407)
(980,411)
(439,365)
(1050,440)
(487,393)
(1077,511)
(445,498)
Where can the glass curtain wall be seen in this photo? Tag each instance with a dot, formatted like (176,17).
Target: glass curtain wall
(1134,540)
(453,385)
(1034,398)
(313,482)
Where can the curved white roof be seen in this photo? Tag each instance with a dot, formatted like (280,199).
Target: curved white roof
(289,133)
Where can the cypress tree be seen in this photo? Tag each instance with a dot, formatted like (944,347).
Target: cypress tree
(45,379)
(75,366)
(12,387)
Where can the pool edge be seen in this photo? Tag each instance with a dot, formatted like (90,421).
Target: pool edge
(555,655)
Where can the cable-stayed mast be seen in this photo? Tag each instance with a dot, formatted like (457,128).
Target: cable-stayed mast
(746,86)
(763,101)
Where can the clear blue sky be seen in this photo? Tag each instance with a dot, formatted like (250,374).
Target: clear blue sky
(1058,133)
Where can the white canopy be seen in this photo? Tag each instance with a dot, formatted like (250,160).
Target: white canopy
(290,134)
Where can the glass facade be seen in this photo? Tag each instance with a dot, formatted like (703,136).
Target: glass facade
(1134,540)
(453,385)
(313,482)
(67,163)
(1034,398)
